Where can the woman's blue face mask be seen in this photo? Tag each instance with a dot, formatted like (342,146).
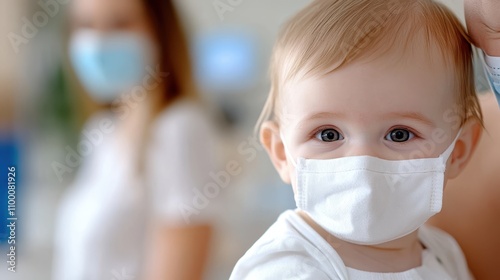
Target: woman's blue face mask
(109,64)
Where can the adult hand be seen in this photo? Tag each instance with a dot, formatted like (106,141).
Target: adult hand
(483,23)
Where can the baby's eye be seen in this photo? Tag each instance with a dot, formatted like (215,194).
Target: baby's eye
(329,135)
(399,135)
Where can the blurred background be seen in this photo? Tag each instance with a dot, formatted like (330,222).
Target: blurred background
(43,109)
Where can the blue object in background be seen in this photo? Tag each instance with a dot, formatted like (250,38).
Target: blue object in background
(8,157)
(495,88)
(108,65)
(225,62)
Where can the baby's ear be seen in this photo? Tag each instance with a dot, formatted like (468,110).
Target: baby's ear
(272,142)
(464,148)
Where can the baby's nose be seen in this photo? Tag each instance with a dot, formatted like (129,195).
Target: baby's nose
(362,148)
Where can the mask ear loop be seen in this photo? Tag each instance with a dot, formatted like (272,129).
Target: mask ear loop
(287,151)
(447,153)
(299,199)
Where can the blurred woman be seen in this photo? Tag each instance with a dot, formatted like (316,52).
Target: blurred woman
(129,213)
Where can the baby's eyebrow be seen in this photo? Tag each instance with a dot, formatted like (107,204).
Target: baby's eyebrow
(412,116)
(321,115)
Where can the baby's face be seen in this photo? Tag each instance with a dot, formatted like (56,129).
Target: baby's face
(392,107)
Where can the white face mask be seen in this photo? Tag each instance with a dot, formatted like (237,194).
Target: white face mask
(367,200)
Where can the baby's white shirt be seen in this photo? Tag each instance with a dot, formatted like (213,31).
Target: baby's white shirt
(291,249)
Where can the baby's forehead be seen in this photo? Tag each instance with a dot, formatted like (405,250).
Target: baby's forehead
(326,37)
(374,87)
(417,70)
(315,42)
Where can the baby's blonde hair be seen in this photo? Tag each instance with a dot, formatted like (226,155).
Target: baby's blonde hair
(330,33)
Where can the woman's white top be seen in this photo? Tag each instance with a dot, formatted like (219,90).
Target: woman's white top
(103,217)
(291,249)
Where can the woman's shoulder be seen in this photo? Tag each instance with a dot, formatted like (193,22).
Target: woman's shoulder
(101,120)
(183,114)
(188,125)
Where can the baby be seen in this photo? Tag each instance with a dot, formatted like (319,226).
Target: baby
(372,109)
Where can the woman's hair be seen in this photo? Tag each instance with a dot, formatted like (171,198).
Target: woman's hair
(174,49)
(328,34)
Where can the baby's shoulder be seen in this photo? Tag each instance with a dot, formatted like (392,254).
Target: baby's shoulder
(288,234)
(285,251)
(438,240)
(446,249)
